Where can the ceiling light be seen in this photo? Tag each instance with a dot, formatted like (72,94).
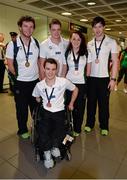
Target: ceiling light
(91,3)
(120,32)
(108,29)
(66,13)
(118,20)
(83,20)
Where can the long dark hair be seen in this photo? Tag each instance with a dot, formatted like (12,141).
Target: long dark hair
(82,48)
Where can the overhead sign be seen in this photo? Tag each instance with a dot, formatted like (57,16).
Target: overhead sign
(76,27)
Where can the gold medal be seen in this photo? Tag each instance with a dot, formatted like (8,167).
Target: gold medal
(27,64)
(97,61)
(49,104)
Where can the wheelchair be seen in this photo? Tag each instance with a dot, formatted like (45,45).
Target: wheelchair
(65,147)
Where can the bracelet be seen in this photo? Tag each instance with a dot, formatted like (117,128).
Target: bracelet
(114,79)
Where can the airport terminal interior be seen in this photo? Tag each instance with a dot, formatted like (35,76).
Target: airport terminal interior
(93,156)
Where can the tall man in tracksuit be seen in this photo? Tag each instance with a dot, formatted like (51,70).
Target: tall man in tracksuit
(99,82)
(26,73)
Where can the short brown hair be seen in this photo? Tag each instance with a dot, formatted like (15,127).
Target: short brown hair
(27,19)
(54,21)
(97,20)
(51,61)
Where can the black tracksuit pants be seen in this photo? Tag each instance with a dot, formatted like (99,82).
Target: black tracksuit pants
(122,72)
(24,100)
(98,93)
(51,129)
(79,106)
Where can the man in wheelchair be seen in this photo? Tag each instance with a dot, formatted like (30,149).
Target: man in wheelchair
(51,128)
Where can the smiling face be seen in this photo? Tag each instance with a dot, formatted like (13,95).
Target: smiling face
(98,30)
(75,41)
(50,71)
(27,28)
(55,31)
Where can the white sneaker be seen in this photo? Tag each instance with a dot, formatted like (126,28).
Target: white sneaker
(48,161)
(55,152)
(125,90)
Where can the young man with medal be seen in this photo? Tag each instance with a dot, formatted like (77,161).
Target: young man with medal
(77,60)
(51,128)
(100,83)
(26,72)
(54,47)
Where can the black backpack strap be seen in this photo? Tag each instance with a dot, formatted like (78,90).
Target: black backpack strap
(11,76)
(66,56)
(109,63)
(37,44)
(16,48)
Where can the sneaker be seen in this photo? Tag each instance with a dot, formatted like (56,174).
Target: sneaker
(104,132)
(55,152)
(75,134)
(48,161)
(25,135)
(125,90)
(115,89)
(87,129)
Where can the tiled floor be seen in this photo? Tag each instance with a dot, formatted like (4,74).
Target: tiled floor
(93,156)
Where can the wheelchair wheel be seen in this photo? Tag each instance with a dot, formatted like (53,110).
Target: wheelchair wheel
(37,158)
(32,139)
(35,120)
(37,155)
(68,156)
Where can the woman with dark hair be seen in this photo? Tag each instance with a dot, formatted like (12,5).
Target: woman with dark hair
(77,58)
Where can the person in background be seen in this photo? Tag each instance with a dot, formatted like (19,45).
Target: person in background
(77,59)
(26,72)
(123,70)
(2,65)
(51,128)
(13,35)
(100,83)
(54,47)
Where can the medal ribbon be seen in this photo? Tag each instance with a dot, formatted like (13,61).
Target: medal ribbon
(28,50)
(50,96)
(98,49)
(76,61)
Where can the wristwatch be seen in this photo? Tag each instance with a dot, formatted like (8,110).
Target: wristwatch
(114,79)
